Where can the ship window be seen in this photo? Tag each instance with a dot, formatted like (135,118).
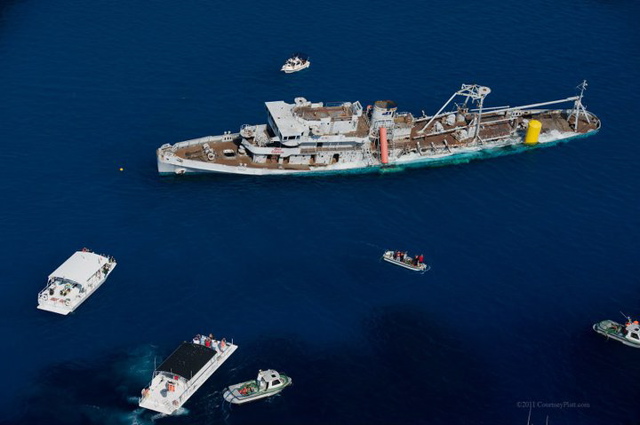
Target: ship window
(275,382)
(634,335)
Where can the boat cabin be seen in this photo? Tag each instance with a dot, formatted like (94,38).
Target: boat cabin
(632,331)
(269,379)
(73,281)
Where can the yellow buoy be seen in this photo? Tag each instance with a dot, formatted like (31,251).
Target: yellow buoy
(533,131)
(121,169)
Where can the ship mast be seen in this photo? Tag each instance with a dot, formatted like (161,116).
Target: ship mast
(578,107)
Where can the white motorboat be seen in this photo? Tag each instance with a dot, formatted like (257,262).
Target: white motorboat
(184,372)
(403,259)
(268,383)
(297,62)
(74,281)
(628,334)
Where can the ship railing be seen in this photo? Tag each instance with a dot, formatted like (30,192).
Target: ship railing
(491,108)
(492,111)
(327,149)
(198,141)
(333,104)
(534,105)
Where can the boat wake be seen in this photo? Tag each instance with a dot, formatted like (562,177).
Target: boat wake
(98,392)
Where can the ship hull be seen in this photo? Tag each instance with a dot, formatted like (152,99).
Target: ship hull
(177,166)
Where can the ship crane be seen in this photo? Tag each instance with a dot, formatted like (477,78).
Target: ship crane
(474,92)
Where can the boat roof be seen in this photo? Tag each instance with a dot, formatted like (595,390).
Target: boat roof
(283,118)
(269,375)
(187,360)
(633,327)
(79,267)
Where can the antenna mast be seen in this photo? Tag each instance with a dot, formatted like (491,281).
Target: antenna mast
(578,107)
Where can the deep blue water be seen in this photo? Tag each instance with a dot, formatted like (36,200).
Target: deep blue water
(527,251)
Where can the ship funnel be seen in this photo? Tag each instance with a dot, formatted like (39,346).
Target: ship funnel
(383,113)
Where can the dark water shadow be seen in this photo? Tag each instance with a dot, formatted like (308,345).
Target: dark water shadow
(605,374)
(407,368)
(103,391)
(429,375)
(402,366)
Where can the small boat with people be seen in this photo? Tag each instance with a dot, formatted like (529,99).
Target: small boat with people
(184,372)
(297,62)
(74,281)
(268,383)
(628,334)
(403,259)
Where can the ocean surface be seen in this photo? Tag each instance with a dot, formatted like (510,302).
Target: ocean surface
(527,251)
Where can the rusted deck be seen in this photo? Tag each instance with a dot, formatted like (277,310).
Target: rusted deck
(492,127)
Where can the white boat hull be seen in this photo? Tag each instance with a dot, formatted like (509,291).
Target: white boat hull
(162,401)
(388,256)
(605,328)
(291,70)
(59,304)
(232,396)
(248,391)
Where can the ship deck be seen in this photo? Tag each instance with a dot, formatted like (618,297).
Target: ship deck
(492,127)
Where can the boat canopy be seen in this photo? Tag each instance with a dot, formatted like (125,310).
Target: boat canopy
(187,360)
(79,267)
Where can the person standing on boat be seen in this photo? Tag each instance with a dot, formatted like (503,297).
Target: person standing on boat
(420,259)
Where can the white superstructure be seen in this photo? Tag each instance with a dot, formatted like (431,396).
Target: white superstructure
(74,281)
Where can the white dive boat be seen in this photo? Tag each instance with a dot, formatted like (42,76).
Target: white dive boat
(628,334)
(403,259)
(74,281)
(321,138)
(183,372)
(268,383)
(297,62)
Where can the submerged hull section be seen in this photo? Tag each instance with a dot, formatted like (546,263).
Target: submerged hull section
(315,139)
